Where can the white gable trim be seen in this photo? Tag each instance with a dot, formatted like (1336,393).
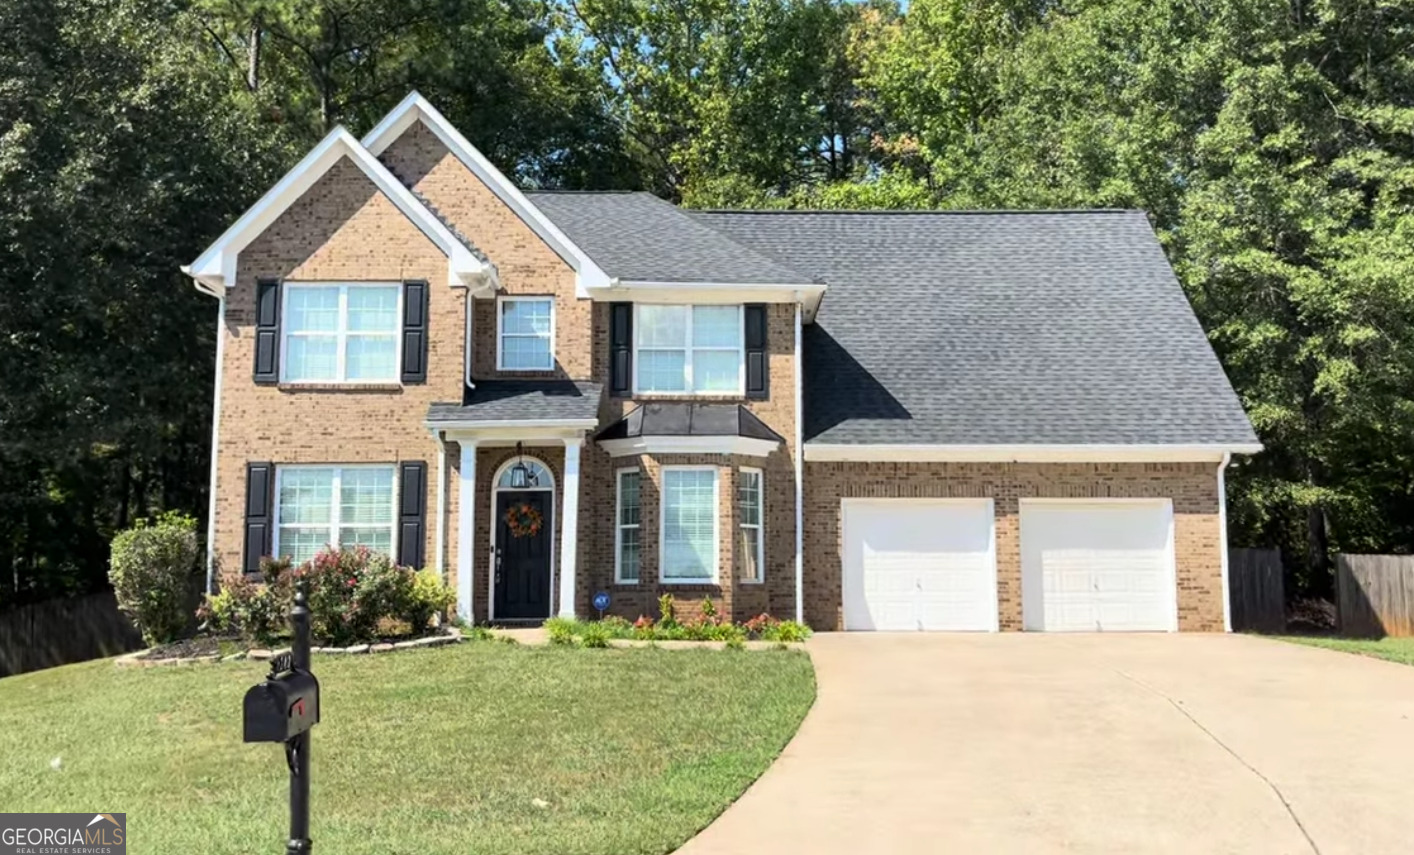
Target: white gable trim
(216,267)
(834,452)
(589,276)
(636,445)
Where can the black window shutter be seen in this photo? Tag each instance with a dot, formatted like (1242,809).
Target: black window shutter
(415,331)
(412,513)
(267,331)
(259,513)
(620,348)
(757,385)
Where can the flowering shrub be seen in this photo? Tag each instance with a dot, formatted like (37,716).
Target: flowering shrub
(351,592)
(760,624)
(704,628)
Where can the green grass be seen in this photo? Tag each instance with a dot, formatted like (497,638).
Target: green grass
(429,751)
(1399,650)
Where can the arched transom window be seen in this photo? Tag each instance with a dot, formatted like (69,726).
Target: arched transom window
(537,476)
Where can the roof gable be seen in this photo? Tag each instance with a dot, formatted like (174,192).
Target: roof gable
(416,108)
(215,269)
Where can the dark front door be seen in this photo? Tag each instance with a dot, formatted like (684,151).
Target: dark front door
(522,560)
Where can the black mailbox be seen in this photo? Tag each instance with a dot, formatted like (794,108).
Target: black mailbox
(282,707)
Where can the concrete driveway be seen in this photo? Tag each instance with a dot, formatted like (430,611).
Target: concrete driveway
(1087,743)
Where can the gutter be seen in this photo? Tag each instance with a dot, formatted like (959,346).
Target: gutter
(215,446)
(1222,541)
(799,455)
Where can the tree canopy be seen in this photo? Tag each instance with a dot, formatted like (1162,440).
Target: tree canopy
(1270,141)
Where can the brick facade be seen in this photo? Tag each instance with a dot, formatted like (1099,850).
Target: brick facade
(344,229)
(1193,488)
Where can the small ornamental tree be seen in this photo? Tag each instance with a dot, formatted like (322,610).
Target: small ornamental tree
(150,567)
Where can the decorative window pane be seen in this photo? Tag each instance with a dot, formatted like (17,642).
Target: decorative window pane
(749,499)
(689,349)
(689,524)
(526,334)
(341,333)
(628,560)
(330,506)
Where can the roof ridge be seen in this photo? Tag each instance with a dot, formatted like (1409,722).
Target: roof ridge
(904,211)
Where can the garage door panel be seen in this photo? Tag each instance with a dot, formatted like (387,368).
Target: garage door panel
(1097,565)
(918,564)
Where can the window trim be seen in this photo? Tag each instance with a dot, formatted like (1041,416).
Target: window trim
(620,526)
(501,334)
(341,334)
(337,508)
(738,392)
(663,578)
(760,524)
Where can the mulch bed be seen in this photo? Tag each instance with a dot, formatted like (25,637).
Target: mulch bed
(209,648)
(190,648)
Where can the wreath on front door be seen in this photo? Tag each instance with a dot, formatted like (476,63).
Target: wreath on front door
(524,520)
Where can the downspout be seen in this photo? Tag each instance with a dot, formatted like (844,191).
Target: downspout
(215,445)
(799,477)
(440,552)
(1222,539)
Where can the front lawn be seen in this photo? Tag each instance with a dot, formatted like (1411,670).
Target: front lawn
(484,747)
(1399,650)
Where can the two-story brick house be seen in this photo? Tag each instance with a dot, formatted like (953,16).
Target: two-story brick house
(930,420)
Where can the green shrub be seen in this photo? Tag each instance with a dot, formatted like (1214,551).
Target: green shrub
(786,631)
(479,633)
(667,612)
(258,613)
(617,627)
(562,630)
(151,567)
(595,634)
(737,642)
(351,590)
(428,595)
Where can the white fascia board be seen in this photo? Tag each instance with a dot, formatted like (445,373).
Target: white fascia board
(744,445)
(216,267)
(807,294)
(414,107)
(832,452)
(494,424)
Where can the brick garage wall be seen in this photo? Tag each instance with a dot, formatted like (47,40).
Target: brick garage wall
(526,264)
(343,229)
(1191,486)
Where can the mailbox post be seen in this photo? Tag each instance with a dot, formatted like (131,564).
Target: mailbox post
(283,709)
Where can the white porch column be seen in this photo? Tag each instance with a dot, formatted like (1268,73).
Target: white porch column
(569,528)
(466,529)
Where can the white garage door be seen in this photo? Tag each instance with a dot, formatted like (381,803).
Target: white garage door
(1088,566)
(919,564)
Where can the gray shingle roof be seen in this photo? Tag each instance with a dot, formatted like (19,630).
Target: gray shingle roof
(639,237)
(687,419)
(516,400)
(996,328)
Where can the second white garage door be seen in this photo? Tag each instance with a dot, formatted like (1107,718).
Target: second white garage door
(919,564)
(1088,566)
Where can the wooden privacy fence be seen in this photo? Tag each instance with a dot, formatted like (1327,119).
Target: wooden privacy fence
(1374,594)
(1257,599)
(58,632)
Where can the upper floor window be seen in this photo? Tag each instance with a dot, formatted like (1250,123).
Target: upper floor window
(341,333)
(335,506)
(689,350)
(525,334)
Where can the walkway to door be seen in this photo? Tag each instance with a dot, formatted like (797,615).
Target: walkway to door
(1086,743)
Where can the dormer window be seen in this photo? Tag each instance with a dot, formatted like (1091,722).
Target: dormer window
(691,350)
(525,334)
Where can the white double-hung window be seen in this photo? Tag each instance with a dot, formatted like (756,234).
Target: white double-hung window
(525,334)
(626,543)
(688,534)
(689,350)
(339,506)
(341,333)
(749,501)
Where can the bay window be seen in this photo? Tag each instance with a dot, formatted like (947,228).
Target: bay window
(688,521)
(689,349)
(334,506)
(626,541)
(750,499)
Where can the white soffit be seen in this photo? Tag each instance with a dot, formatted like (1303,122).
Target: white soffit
(216,267)
(808,294)
(589,275)
(826,452)
(744,445)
